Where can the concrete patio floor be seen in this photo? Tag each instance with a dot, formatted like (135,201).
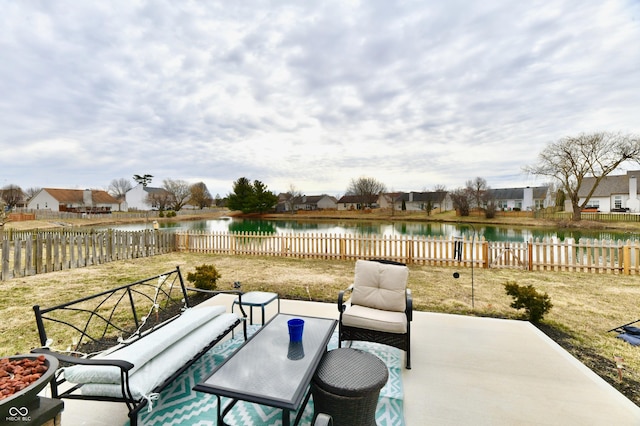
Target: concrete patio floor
(465,371)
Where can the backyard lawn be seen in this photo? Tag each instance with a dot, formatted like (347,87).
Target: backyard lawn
(585,305)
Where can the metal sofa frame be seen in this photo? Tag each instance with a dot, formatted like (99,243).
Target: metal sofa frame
(100,321)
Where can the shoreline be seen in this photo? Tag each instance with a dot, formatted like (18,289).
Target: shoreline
(364,216)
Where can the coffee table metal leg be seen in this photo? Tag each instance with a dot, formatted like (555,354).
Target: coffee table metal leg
(301,409)
(225,411)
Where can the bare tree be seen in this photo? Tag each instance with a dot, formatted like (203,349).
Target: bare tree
(4,216)
(462,199)
(159,199)
(367,189)
(439,188)
(118,188)
(200,195)
(179,190)
(489,201)
(572,158)
(477,188)
(12,195)
(31,192)
(290,195)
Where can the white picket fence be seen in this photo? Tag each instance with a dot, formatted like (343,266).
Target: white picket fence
(26,253)
(594,256)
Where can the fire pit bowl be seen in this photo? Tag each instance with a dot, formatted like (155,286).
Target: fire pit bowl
(27,395)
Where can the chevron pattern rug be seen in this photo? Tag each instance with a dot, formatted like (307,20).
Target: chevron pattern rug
(180,405)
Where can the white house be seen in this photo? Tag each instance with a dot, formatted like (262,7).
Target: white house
(314,202)
(142,197)
(436,201)
(613,193)
(73,200)
(387,200)
(529,198)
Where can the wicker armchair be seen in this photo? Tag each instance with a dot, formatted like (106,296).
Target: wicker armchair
(380,307)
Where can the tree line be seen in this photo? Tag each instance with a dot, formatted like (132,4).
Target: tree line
(566,162)
(174,194)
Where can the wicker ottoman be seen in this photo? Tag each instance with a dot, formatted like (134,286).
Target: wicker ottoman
(346,386)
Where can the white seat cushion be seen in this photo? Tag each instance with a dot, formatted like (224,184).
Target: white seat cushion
(157,370)
(145,349)
(375,319)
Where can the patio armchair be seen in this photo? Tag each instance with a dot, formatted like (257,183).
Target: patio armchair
(380,307)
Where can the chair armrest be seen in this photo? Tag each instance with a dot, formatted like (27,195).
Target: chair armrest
(341,306)
(124,365)
(409,305)
(323,420)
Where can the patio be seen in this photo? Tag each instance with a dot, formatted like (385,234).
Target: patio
(466,371)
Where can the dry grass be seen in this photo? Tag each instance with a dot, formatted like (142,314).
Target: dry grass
(585,305)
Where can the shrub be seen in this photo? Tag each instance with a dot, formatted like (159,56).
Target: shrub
(171,213)
(205,277)
(534,303)
(490,211)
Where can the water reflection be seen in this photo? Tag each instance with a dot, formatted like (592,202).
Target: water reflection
(432,229)
(256,226)
(295,351)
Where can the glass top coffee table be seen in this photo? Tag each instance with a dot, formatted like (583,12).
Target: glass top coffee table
(269,370)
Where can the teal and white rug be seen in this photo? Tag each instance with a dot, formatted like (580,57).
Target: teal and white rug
(179,404)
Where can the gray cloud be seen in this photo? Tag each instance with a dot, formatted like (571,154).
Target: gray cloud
(307,93)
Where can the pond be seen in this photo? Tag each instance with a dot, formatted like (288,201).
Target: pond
(433,229)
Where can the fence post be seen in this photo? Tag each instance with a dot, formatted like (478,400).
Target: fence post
(17,258)
(530,255)
(485,254)
(5,260)
(28,256)
(38,254)
(49,253)
(626,259)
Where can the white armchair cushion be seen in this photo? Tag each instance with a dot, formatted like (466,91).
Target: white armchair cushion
(375,319)
(380,286)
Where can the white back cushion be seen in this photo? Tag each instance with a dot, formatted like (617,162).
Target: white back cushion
(380,286)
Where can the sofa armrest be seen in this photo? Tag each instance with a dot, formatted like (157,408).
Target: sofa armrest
(409,310)
(341,305)
(123,365)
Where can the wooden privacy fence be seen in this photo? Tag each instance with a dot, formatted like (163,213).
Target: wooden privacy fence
(46,251)
(593,256)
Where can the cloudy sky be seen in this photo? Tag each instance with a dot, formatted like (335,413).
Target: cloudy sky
(307,93)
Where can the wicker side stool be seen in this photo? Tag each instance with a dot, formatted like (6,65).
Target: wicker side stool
(346,386)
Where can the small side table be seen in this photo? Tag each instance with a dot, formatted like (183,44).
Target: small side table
(257,298)
(346,386)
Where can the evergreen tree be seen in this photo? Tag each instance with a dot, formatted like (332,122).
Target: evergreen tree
(251,198)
